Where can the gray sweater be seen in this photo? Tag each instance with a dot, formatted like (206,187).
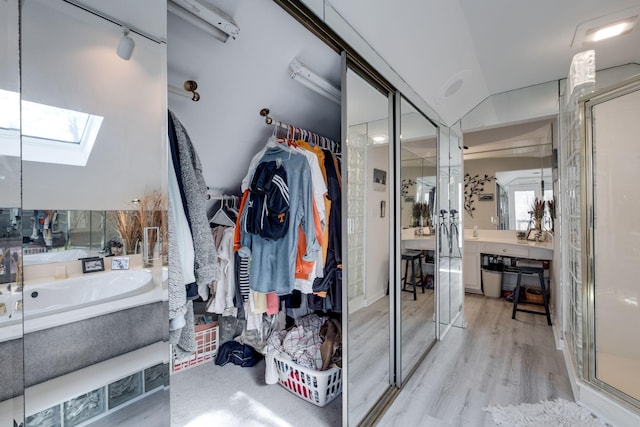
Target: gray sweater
(195,191)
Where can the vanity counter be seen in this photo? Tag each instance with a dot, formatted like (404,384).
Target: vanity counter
(490,242)
(494,242)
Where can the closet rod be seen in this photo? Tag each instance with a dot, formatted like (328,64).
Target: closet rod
(189,90)
(221,197)
(332,145)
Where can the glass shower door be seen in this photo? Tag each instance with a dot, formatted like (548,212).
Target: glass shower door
(613,240)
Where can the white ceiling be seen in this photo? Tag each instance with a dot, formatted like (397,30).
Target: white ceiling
(491,46)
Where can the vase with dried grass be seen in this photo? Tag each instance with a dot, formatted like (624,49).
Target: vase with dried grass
(150,211)
(537,213)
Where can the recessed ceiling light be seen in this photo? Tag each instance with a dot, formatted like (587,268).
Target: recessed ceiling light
(610,30)
(379,139)
(605,27)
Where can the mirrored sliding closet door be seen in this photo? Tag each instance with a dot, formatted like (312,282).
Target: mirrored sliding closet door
(94,159)
(11,344)
(367,165)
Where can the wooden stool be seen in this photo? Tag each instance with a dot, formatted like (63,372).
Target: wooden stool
(545,298)
(412,257)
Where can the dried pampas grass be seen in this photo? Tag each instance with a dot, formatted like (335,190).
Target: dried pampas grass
(151,211)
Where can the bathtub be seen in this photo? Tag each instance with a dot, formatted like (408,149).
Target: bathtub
(58,302)
(54,256)
(10,314)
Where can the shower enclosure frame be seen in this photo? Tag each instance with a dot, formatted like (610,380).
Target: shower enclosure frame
(586,105)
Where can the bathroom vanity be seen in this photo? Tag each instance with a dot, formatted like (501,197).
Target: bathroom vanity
(497,243)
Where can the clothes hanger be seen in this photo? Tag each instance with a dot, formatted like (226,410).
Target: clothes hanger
(221,217)
(231,207)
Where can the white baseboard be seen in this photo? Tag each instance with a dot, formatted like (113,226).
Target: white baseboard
(597,402)
(610,411)
(557,336)
(356,304)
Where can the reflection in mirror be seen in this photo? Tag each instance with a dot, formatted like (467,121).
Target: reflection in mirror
(455,234)
(418,179)
(11,343)
(368,245)
(444,249)
(518,162)
(94,330)
(92,123)
(52,235)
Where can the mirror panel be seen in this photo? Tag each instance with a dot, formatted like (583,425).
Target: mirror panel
(11,342)
(456,233)
(94,149)
(418,195)
(444,249)
(518,160)
(368,168)
(90,139)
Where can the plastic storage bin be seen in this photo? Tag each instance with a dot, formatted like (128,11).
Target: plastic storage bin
(492,283)
(317,387)
(206,348)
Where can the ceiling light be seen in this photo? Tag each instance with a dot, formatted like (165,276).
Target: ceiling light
(379,139)
(206,17)
(126,45)
(605,27)
(300,73)
(611,30)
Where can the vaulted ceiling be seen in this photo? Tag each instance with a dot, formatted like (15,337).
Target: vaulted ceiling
(456,53)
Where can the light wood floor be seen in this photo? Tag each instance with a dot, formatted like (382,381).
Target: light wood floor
(496,360)
(369,347)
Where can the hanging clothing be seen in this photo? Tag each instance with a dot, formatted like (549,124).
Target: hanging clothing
(181,325)
(273,261)
(225,287)
(194,190)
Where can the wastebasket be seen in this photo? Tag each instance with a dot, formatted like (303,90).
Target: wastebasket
(492,283)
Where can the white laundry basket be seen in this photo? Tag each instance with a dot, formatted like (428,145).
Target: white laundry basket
(317,387)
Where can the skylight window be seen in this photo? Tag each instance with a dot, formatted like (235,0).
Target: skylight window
(49,134)
(53,123)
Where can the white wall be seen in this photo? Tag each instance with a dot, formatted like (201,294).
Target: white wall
(238,78)
(377,255)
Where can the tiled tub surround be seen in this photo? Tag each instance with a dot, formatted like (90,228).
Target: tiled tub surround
(11,384)
(93,343)
(91,393)
(60,350)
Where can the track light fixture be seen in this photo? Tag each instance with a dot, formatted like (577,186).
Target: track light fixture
(126,45)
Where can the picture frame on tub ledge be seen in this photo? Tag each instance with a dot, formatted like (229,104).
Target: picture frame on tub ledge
(120,263)
(92,265)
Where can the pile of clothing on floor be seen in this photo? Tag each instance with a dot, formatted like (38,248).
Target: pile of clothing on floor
(313,341)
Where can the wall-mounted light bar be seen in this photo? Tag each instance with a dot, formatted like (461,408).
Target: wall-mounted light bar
(300,73)
(206,17)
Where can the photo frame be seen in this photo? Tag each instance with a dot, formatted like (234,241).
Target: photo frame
(92,265)
(120,263)
(532,235)
(379,180)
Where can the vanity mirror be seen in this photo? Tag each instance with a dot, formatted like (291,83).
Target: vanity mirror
(518,162)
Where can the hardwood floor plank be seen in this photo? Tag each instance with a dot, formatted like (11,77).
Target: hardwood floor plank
(494,361)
